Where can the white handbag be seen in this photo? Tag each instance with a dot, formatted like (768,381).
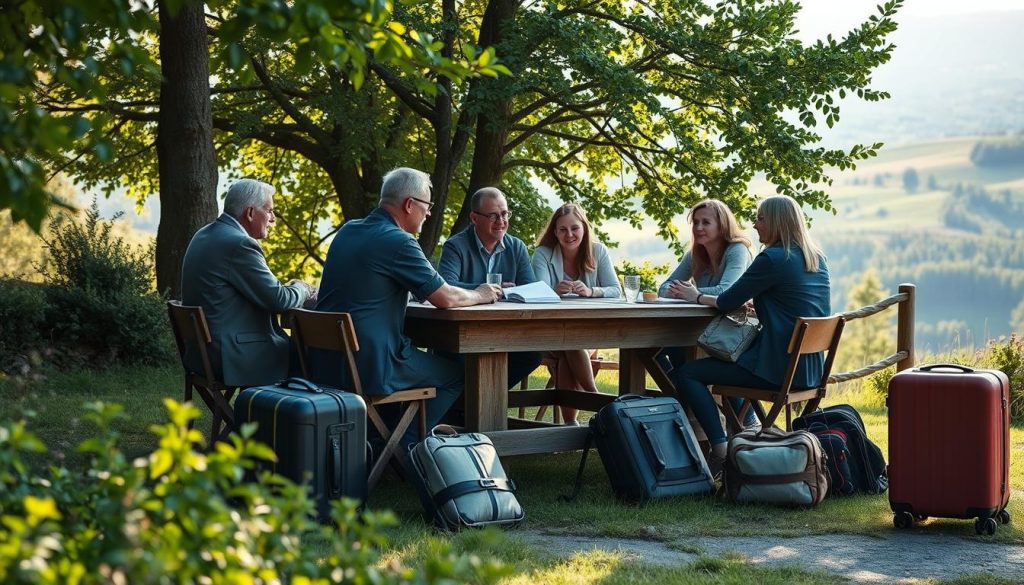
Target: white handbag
(729,335)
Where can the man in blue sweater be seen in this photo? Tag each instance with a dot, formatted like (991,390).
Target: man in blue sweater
(485,247)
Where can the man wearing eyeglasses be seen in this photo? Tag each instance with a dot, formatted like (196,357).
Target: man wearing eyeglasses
(483,248)
(372,266)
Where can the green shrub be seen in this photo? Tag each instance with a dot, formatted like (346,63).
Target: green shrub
(1008,357)
(22,310)
(100,298)
(651,275)
(180,516)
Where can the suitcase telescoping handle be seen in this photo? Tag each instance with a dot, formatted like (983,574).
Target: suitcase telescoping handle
(297,383)
(933,367)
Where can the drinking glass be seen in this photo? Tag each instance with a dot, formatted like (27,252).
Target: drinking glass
(494,278)
(632,287)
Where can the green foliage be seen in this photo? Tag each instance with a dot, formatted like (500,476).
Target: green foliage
(911,181)
(967,286)
(868,339)
(22,312)
(99,295)
(184,514)
(651,275)
(1008,356)
(658,109)
(1001,153)
(974,209)
(67,52)
(876,386)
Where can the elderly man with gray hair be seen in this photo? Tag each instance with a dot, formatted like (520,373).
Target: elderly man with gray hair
(372,266)
(226,273)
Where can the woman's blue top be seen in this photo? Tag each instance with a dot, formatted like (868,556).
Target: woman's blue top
(782,291)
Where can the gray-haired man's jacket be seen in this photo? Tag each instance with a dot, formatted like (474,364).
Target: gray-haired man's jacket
(225,272)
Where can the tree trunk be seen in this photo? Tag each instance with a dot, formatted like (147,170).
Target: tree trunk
(493,121)
(441,176)
(184,144)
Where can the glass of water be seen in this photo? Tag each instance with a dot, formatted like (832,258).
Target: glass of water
(632,287)
(494,278)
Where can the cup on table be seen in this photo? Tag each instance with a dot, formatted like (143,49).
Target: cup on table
(632,287)
(650,297)
(494,278)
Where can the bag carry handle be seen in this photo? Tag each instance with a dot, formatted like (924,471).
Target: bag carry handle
(335,488)
(297,383)
(444,431)
(660,464)
(629,397)
(933,367)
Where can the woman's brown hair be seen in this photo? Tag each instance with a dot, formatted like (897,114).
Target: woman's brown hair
(585,261)
(729,230)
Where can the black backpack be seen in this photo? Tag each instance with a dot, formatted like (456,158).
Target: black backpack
(855,464)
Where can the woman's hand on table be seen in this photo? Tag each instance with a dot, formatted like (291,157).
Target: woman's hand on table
(679,289)
(564,287)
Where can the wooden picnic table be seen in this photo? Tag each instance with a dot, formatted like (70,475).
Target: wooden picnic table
(486,333)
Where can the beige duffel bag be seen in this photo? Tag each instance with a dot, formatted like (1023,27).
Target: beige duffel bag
(775,467)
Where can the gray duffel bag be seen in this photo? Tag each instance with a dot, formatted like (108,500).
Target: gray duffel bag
(775,467)
(461,481)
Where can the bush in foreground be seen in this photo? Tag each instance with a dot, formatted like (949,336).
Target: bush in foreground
(180,516)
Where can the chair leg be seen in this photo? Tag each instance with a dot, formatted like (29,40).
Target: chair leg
(523,386)
(423,419)
(188,398)
(773,414)
(391,448)
(732,421)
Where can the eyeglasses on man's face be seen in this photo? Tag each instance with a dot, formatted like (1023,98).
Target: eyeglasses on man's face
(505,215)
(429,204)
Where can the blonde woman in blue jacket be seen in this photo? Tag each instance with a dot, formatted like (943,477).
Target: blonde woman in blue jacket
(570,262)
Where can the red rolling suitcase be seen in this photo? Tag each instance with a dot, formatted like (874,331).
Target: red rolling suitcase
(949,445)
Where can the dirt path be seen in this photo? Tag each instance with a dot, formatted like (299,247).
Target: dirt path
(886,559)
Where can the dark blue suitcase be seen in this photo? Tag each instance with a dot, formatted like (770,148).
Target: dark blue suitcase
(648,449)
(318,434)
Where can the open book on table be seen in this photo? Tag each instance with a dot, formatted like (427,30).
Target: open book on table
(535,292)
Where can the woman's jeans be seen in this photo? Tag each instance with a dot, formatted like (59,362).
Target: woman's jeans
(692,381)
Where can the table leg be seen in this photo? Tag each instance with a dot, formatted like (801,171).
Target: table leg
(632,374)
(487,391)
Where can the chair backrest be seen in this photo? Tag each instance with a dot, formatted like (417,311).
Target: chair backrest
(327,331)
(189,325)
(813,335)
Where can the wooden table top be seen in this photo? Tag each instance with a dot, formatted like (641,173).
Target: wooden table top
(573,309)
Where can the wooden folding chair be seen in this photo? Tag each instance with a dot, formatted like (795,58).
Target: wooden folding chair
(190,328)
(336,332)
(810,335)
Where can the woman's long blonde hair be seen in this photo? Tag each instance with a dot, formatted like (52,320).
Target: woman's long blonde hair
(585,261)
(729,230)
(785,224)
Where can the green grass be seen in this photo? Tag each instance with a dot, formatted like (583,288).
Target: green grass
(54,405)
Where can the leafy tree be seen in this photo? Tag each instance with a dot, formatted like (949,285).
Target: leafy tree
(70,67)
(661,106)
(910,180)
(868,339)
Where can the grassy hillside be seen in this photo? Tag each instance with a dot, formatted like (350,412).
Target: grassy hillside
(958,236)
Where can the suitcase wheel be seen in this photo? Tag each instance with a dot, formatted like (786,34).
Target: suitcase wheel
(1003,516)
(903,520)
(985,526)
